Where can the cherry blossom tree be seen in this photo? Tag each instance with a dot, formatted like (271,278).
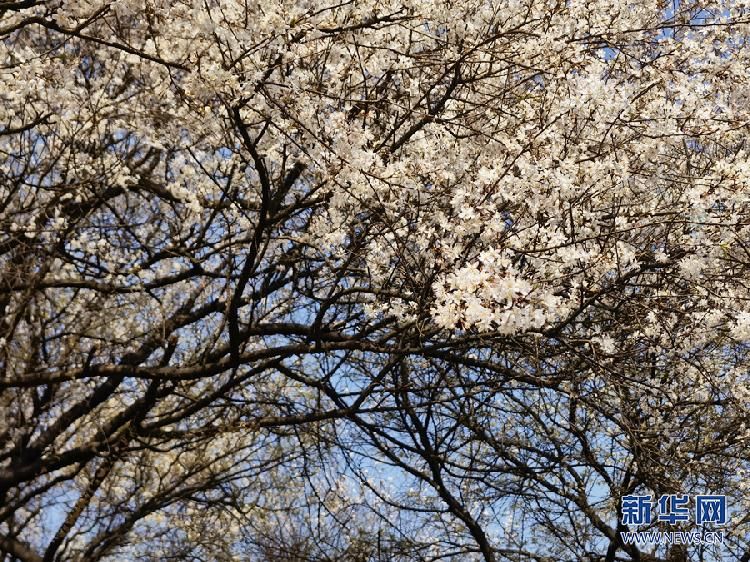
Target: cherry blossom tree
(370,281)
